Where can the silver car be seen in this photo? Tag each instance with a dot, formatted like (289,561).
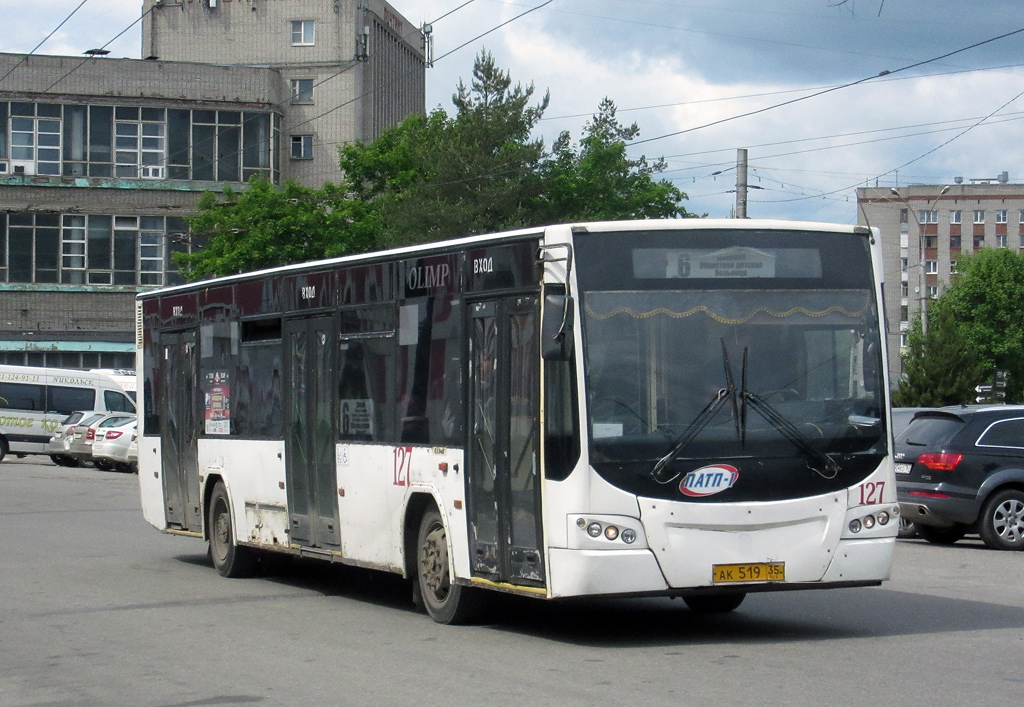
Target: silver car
(113,445)
(60,442)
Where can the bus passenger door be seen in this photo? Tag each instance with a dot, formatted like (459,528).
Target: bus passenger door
(310,434)
(179,450)
(503,494)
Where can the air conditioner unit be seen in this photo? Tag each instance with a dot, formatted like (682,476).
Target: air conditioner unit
(26,167)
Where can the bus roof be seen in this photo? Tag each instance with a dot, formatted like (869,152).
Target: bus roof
(538,231)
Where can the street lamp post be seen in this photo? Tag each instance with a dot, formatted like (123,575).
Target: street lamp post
(922,276)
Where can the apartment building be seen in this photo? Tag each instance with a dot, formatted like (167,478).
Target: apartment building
(102,159)
(925,229)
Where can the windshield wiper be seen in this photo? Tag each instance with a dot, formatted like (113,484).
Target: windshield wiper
(788,430)
(701,421)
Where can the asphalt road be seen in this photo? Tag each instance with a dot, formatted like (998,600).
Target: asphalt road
(98,608)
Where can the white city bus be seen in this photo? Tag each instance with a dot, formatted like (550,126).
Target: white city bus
(689,408)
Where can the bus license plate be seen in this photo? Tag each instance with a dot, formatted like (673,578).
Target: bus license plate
(752,572)
(903,468)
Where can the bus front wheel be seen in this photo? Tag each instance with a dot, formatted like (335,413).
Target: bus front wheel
(230,559)
(445,601)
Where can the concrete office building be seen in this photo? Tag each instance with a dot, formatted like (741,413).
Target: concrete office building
(101,159)
(925,228)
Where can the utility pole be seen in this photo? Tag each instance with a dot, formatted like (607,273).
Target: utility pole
(741,183)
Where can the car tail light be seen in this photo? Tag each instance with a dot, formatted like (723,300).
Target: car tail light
(928,494)
(113,434)
(940,461)
(90,434)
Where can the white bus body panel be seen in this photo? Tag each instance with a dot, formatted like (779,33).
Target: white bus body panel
(151,487)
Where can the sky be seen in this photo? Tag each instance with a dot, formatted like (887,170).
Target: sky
(825,95)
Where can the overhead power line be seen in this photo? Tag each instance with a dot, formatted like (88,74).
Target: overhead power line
(47,37)
(829,90)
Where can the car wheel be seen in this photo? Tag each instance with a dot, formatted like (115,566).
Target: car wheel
(941,536)
(907,528)
(56,459)
(1002,521)
(102,464)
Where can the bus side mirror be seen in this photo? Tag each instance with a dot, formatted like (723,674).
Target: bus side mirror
(556,333)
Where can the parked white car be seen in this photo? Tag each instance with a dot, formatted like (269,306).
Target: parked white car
(113,445)
(60,443)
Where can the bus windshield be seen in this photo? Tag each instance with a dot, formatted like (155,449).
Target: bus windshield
(759,350)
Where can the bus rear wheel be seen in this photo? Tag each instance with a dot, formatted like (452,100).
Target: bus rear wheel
(230,559)
(445,601)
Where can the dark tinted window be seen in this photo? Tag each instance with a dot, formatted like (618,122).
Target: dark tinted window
(66,400)
(931,431)
(21,396)
(117,401)
(1004,433)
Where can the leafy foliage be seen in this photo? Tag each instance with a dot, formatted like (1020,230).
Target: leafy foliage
(985,298)
(600,182)
(940,366)
(262,226)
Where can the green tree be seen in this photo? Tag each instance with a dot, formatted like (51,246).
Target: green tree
(940,367)
(985,299)
(263,226)
(442,176)
(599,181)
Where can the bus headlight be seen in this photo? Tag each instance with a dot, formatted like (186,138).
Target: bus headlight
(594,530)
(629,536)
(883,518)
(611,532)
(855,526)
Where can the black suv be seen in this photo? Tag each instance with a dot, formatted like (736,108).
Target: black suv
(960,469)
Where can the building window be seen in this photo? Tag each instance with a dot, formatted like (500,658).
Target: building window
(928,216)
(931,267)
(302,147)
(903,341)
(952,267)
(904,289)
(904,264)
(933,291)
(931,241)
(75,249)
(139,142)
(32,247)
(979,242)
(302,33)
(954,242)
(1001,240)
(904,313)
(979,216)
(35,141)
(1000,215)
(956,217)
(302,90)
(1021,215)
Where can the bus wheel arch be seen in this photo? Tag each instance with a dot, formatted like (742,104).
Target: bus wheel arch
(229,558)
(434,589)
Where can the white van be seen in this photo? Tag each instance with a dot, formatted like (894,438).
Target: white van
(124,377)
(34,401)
